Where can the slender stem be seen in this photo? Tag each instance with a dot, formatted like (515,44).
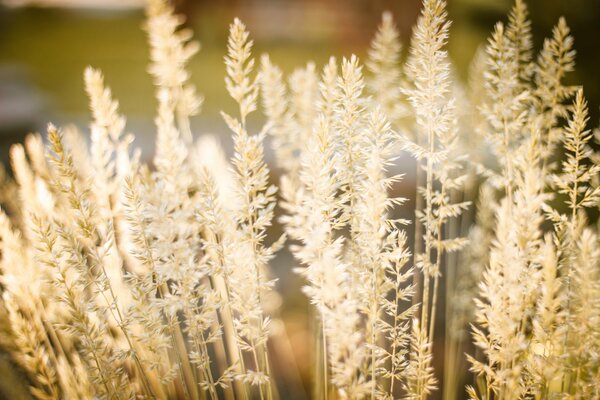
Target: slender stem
(220,349)
(438,265)
(418,245)
(201,348)
(325,365)
(394,347)
(374,312)
(174,344)
(574,207)
(436,281)
(324,356)
(508,160)
(255,356)
(264,365)
(183,123)
(428,222)
(268,370)
(211,381)
(451,343)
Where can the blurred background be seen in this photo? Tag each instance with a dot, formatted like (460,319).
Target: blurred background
(46,44)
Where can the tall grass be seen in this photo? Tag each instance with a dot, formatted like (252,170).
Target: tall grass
(124,280)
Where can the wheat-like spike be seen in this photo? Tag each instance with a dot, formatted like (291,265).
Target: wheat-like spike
(104,108)
(383,63)
(548,324)
(239,66)
(27,189)
(171,48)
(109,148)
(304,92)
(349,124)
(576,175)
(518,32)
(76,143)
(34,146)
(35,149)
(476,93)
(171,151)
(554,62)
(67,183)
(321,183)
(256,199)
(170,220)
(505,107)
(292,190)
(275,105)
(328,89)
(430,97)
(383,256)
(583,318)
(495,314)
